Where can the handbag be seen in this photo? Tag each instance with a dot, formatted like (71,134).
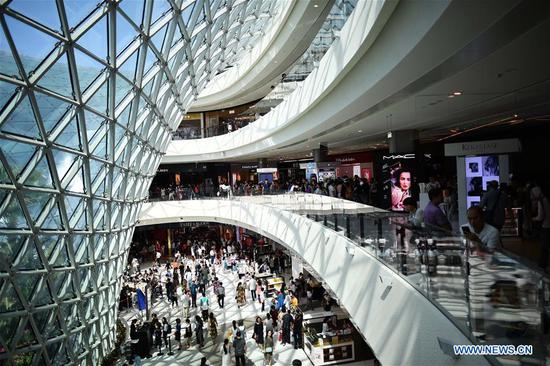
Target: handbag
(269,350)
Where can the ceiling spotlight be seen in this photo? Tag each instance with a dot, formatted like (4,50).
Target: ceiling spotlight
(457,93)
(389,135)
(515,116)
(315,5)
(451,96)
(360,131)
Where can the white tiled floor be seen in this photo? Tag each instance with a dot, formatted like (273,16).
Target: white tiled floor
(283,355)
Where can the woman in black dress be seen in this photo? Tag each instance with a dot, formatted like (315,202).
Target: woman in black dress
(259,331)
(199,331)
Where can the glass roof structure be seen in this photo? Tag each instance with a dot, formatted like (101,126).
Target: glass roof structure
(89,93)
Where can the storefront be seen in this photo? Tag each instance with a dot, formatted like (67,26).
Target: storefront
(191,174)
(246,172)
(356,164)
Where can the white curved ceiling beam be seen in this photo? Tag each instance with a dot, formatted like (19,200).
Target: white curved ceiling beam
(404,320)
(263,65)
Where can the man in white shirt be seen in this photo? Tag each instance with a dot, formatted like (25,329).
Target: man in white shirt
(252,287)
(483,235)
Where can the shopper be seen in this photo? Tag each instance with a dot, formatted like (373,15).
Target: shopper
(433,214)
(268,348)
(199,331)
(258,331)
(186,302)
(494,202)
(177,333)
(166,330)
(188,332)
(212,327)
(298,329)
(287,322)
(484,236)
(239,345)
(241,296)
(204,304)
(252,287)
(416,215)
(220,291)
(226,353)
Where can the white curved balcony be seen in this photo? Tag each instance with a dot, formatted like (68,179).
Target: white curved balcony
(402,319)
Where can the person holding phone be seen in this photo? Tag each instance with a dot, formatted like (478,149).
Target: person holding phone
(484,236)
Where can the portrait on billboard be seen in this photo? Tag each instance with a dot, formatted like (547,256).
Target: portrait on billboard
(401,186)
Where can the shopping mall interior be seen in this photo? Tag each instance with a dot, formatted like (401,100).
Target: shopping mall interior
(274,182)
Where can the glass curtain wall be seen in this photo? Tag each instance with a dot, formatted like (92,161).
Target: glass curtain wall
(89,92)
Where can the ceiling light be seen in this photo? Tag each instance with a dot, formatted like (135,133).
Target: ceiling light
(451,96)
(389,135)
(457,93)
(315,5)
(360,131)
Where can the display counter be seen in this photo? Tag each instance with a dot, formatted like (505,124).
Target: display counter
(274,284)
(329,348)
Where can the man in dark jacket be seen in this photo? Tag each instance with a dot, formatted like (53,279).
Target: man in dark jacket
(239,345)
(297,330)
(287,322)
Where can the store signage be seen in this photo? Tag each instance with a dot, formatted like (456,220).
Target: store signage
(162,170)
(249,166)
(483,147)
(401,156)
(267,170)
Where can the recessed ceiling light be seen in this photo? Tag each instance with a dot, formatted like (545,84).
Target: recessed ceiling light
(457,93)
(315,5)
(451,96)
(360,131)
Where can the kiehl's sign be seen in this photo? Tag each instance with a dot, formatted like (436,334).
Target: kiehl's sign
(483,147)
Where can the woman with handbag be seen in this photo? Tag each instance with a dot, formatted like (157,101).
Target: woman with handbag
(268,348)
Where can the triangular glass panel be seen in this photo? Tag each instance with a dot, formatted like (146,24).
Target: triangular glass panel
(60,357)
(95,39)
(10,245)
(70,136)
(80,244)
(122,89)
(26,283)
(43,12)
(78,10)
(9,301)
(9,326)
(46,321)
(128,68)
(93,123)
(35,202)
(187,12)
(123,117)
(99,100)
(61,257)
(149,60)
(76,182)
(125,33)
(31,53)
(53,220)
(28,258)
(22,121)
(12,216)
(48,243)
(88,69)
(17,154)
(9,67)
(159,8)
(95,168)
(148,88)
(66,291)
(40,176)
(63,162)
(158,38)
(51,110)
(42,296)
(7,90)
(71,205)
(58,78)
(101,149)
(134,10)
(26,336)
